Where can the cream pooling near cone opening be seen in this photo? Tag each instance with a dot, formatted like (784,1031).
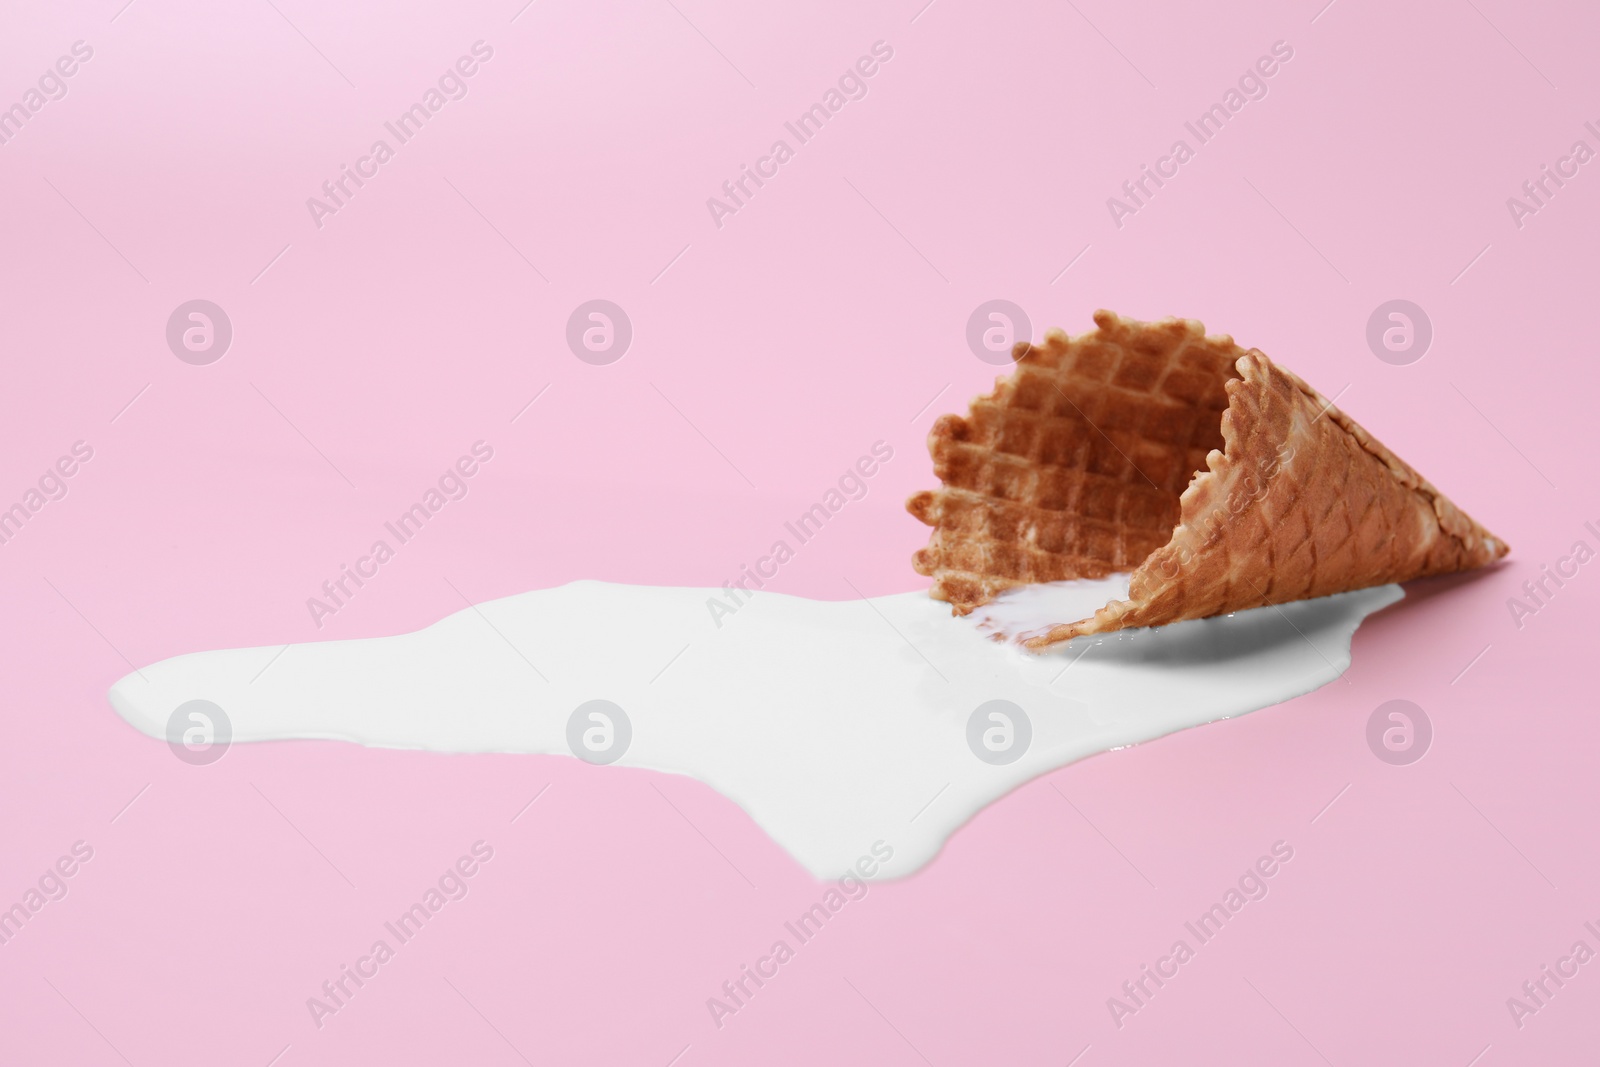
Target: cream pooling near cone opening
(1218,479)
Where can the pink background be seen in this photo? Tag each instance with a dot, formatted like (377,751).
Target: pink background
(822,317)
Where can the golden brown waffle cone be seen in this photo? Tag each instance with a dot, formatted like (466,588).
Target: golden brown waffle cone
(1221,480)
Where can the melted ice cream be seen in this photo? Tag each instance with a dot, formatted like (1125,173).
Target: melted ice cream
(834,724)
(1034,610)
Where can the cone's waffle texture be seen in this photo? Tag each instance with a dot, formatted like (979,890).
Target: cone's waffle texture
(1221,480)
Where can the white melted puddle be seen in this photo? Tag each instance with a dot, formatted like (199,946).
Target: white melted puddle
(1032,610)
(834,724)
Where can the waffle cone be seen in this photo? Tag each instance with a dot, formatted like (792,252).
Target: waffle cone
(1219,479)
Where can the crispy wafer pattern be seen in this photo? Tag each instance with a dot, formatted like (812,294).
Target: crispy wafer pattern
(1073,466)
(1221,480)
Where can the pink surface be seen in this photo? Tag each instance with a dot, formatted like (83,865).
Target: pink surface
(769,353)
